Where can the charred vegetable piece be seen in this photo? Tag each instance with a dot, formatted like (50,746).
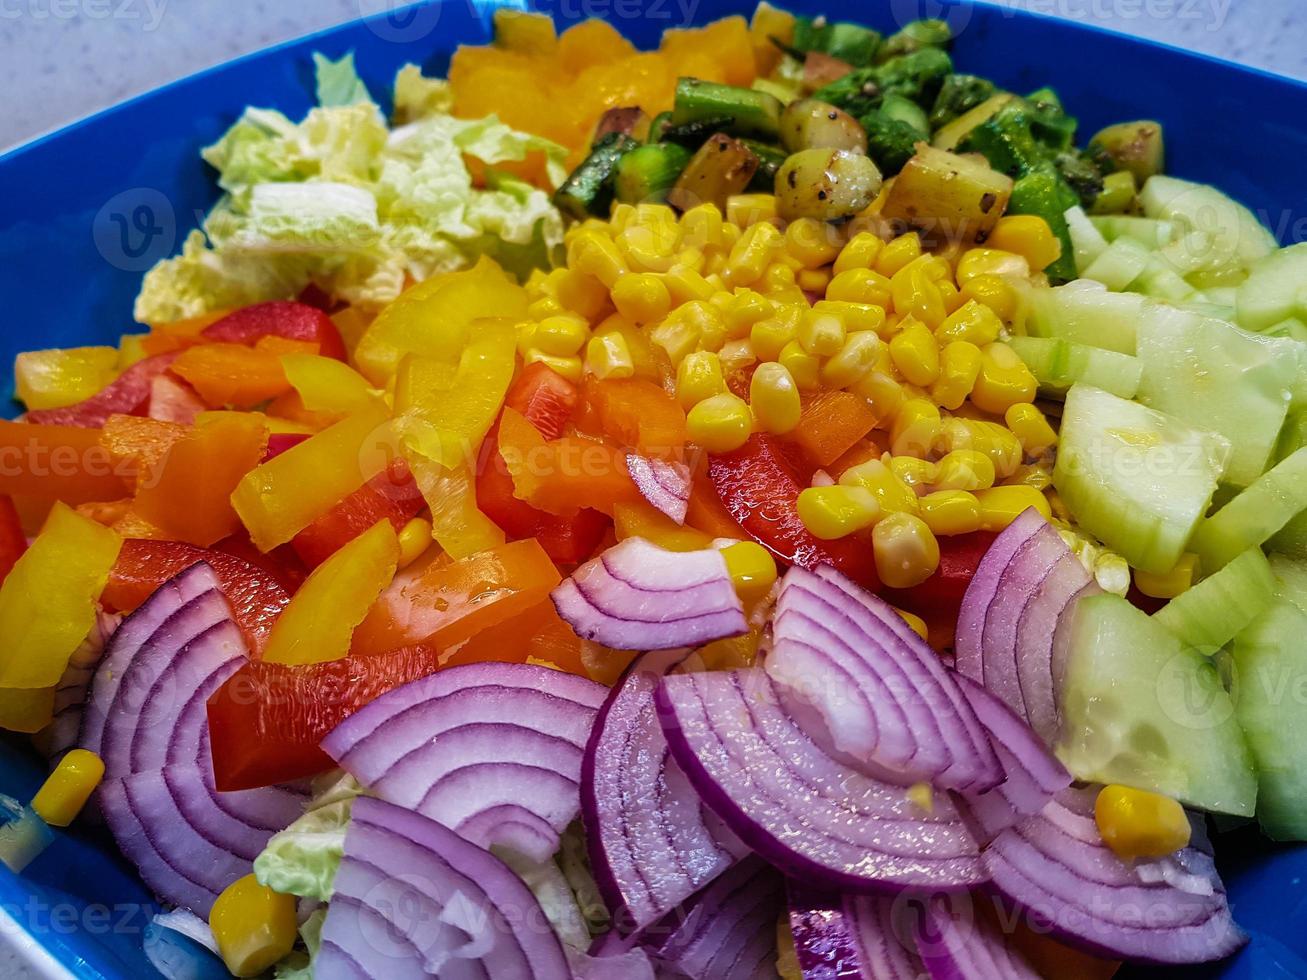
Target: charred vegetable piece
(1118,193)
(770,160)
(660,124)
(947,196)
(928,33)
(753,113)
(1049,121)
(1006,141)
(648,172)
(1134,146)
(917,76)
(826,184)
(952,133)
(820,70)
(722,167)
(630,121)
(811,124)
(1044,193)
(959,94)
(695,133)
(890,142)
(849,42)
(588,190)
(1082,174)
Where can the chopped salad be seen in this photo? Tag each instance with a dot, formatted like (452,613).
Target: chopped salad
(774,506)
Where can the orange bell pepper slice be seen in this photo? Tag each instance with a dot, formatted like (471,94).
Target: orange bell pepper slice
(230,374)
(707,513)
(59,462)
(537,635)
(832,423)
(164,338)
(140,444)
(643,520)
(637,414)
(445,603)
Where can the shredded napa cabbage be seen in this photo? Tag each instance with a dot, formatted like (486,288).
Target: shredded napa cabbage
(303,859)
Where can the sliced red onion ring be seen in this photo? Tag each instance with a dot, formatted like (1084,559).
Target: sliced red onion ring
(809,815)
(637,596)
(413,898)
(665,485)
(1032,774)
(1056,867)
(956,945)
(74,687)
(649,847)
(728,930)
(146,719)
(869,690)
(492,751)
(1010,616)
(849,937)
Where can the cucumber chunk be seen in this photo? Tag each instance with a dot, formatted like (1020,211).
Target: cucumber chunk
(1087,242)
(1252,517)
(1218,377)
(1218,608)
(1058,364)
(1148,232)
(1237,236)
(1290,579)
(1270,697)
(1138,480)
(1141,709)
(1120,264)
(1086,313)
(1275,290)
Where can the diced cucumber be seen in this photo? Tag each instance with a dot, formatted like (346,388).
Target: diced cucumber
(1237,236)
(1087,242)
(1086,313)
(1218,377)
(1275,290)
(647,173)
(754,113)
(1229,276)
(1292,328)
(1120,264)
(1058,364)
(1251,518)
(1160,281)
(1291,540)
(1148,232)
(1217,609)
(1141,709)
(1138,480)
(1199,305)
(1270,698)
(1291,579)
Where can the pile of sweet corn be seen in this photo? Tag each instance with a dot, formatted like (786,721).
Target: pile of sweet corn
(719,307)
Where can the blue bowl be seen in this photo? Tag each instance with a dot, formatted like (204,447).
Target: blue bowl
(86,210)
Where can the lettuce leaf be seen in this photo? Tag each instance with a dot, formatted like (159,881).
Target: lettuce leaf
(302,859)
(417,96)
(338,83)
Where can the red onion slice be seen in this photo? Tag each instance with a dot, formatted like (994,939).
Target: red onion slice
(649,847)
(849,937)
(1056,866)
(869,690)
(412,898)
(492,751)
(727,931)
(806,813)
(147,720)
(982,587)
(637,596)
(665,485)
(956,945)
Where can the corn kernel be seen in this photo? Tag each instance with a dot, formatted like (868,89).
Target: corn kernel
(777,277)
(805,368)
(770,336)
(572,368)
(1003,381)
(1038,475)
(743,210)
(898,253)
(964,469)
(753,253)
(916,428)
(821,333)
(1031,428)
(882,392)
(641,298)
(621,216)
(951,295)
(597,255)
(912,471)
(991,261)
(994,292)
(66,790)
(701,228)
(1029,236)
(1000,506)
(707,319)
(1135,823)
(677,337)
(918,626)
(535,282)
(1170,584)
(973,322)
(743,310)
(891,493)
(719,424)
(915,354)
(774,398)
(860,252)
(752,569)
(545,306)
(685,284)
(814,243)
(959,364)
(561,336)
(813,280)
(855,316)
(860,286)
(637,342)
(996,442)
(699,377)
(950,512)
(583,295)
(253,925)
(414,539)
(907,553)
(853,362)
(736,355)
(915,294)
(838,511)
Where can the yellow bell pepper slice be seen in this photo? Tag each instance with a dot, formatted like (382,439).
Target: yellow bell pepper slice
(281,497)
(328,385)
(55,378)
(47,607)
(320,620)
(434,318)
(456,523)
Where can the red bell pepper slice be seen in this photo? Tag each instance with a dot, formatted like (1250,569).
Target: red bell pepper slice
(128,394)
(760,487)
(13,542)
(267,719)
(392,494)
(938,599)
(173,400)
(256,597)
(545,398)
(280,318)
(281,562)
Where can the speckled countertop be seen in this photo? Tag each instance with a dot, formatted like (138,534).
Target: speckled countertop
(63,59)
